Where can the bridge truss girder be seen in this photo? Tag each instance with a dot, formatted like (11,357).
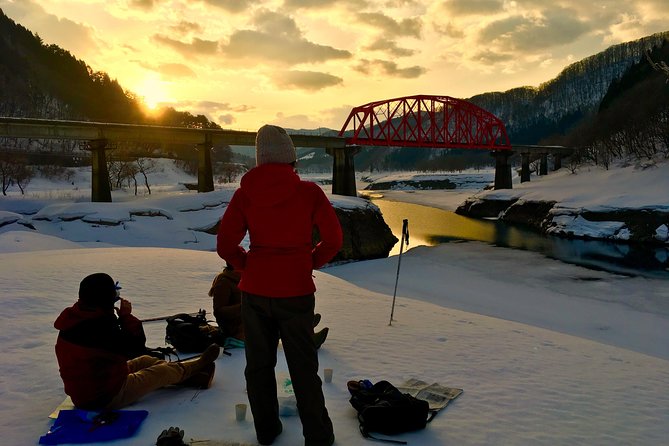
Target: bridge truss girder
(425,121)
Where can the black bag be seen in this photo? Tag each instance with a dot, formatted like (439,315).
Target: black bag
(384,409)
(192,334)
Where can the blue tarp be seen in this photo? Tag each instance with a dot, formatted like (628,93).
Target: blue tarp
(84,426)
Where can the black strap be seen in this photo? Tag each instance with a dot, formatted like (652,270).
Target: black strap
(432,413)
(369,436)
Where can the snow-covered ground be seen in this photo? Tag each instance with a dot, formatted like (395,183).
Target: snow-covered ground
(546,353)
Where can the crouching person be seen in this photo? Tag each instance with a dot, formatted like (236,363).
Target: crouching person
(96,352)
(227,301)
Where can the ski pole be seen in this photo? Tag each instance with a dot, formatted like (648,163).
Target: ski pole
(404,236)
(163,318)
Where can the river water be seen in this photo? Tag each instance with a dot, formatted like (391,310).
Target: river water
(431,226)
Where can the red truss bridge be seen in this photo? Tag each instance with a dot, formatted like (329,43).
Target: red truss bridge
(425,121)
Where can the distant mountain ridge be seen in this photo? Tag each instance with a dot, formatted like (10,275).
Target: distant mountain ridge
(533,113)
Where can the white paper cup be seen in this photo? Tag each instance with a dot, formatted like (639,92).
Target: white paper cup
(327,375)
(240,411)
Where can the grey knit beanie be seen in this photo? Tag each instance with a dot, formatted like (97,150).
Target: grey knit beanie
(273,145)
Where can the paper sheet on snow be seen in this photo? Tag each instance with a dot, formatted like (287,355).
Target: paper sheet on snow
(435,394)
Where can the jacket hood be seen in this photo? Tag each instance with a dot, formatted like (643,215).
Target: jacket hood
(270,184)
(75,314)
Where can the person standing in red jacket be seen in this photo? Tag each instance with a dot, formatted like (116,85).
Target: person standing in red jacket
(97,352)
(280,211)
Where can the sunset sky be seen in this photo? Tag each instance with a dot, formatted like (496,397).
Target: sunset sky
(306,63)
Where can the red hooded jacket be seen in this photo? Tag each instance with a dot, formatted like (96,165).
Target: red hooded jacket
(279,211)
(93,348)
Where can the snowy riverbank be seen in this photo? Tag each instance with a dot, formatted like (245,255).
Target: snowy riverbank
(547,353)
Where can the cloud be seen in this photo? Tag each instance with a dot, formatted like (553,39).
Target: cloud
(277,39)
(389,46)
(225,112)
(491,57)
(195,48)
(390,68)
(306,80)
(142,4)
(184,27)
(175,70)
(406,27)
(79,39)
(226,119)
(299,4)
(295,121)
(223,106)
(519,33)
(230,5)
(168,71)
(449,29)
(473,7)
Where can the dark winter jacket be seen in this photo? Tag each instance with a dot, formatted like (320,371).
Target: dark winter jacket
(93,348)
(280,212)
(227,302)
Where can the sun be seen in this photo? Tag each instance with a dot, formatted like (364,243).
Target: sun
(152,91)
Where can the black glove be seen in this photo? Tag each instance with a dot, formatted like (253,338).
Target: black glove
(171,437)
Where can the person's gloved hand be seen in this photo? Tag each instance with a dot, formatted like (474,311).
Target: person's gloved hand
(171,437)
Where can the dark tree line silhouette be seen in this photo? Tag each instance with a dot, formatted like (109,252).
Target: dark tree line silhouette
(45,81)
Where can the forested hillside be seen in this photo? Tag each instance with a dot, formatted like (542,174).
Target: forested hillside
(533,114)
(46,81)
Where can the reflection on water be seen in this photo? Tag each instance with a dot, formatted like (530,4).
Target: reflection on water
(431,226)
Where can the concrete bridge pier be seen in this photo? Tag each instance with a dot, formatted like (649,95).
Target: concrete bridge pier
(205,175)
(543,164)
(100,187)
(524,167)
(343,170)
(502,169)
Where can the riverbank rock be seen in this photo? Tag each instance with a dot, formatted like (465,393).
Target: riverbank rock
(548,217)
(366,234)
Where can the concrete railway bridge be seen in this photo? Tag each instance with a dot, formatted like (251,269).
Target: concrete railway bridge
(437,122)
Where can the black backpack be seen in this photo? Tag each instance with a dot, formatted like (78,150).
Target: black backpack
(192,334)
(384,409)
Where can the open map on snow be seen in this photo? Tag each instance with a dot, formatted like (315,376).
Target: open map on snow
(435,394)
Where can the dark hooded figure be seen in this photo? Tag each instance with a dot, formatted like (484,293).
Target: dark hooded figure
(97,351)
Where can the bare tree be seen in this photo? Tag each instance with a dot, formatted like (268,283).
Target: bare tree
(6,174)
(22,176)
(145,166)
(13,170)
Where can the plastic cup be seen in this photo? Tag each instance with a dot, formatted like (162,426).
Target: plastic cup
(327,375)
(240,411)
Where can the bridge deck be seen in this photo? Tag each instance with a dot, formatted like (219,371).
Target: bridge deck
(81,130)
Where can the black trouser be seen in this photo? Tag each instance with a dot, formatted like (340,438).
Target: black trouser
(290,319)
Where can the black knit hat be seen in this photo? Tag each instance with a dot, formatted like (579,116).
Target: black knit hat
(98,290)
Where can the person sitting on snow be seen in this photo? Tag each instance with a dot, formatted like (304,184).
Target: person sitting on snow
(96,352)
(227,304)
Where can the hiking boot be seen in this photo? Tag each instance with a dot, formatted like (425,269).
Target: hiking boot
(201,379)
(320,337)
(194,365)
(269,439)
